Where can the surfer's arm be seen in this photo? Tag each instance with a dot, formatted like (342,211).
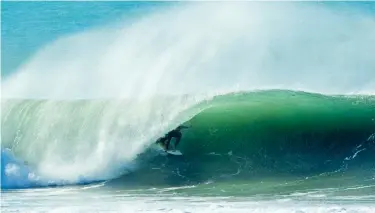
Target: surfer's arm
(184,127)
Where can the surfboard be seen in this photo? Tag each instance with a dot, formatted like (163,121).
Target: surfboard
(171,152)
(174,152)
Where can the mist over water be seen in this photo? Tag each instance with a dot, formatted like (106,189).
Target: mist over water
(206,48)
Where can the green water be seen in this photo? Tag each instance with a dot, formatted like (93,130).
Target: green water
(242,143)
(269,142)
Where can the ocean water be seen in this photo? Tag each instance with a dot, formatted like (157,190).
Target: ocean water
(280,97)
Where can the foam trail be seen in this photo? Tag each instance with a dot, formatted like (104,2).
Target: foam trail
(202,48)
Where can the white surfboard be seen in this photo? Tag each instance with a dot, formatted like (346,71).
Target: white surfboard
(174,152)
(171,152)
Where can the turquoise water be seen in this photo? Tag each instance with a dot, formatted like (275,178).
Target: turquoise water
(280,96)
(26,30)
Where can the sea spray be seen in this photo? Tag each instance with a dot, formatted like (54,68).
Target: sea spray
(206,48)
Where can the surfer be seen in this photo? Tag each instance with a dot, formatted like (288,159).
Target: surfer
(176,133)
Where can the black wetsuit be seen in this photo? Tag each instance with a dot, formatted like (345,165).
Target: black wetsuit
(176,133)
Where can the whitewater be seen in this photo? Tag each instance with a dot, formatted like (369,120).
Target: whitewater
(280,97)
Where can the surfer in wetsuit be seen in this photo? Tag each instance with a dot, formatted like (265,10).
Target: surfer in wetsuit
(176,133)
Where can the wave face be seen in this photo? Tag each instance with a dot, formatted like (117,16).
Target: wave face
(240,134)
(250,135)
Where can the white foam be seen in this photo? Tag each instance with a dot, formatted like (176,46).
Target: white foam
(121,202)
